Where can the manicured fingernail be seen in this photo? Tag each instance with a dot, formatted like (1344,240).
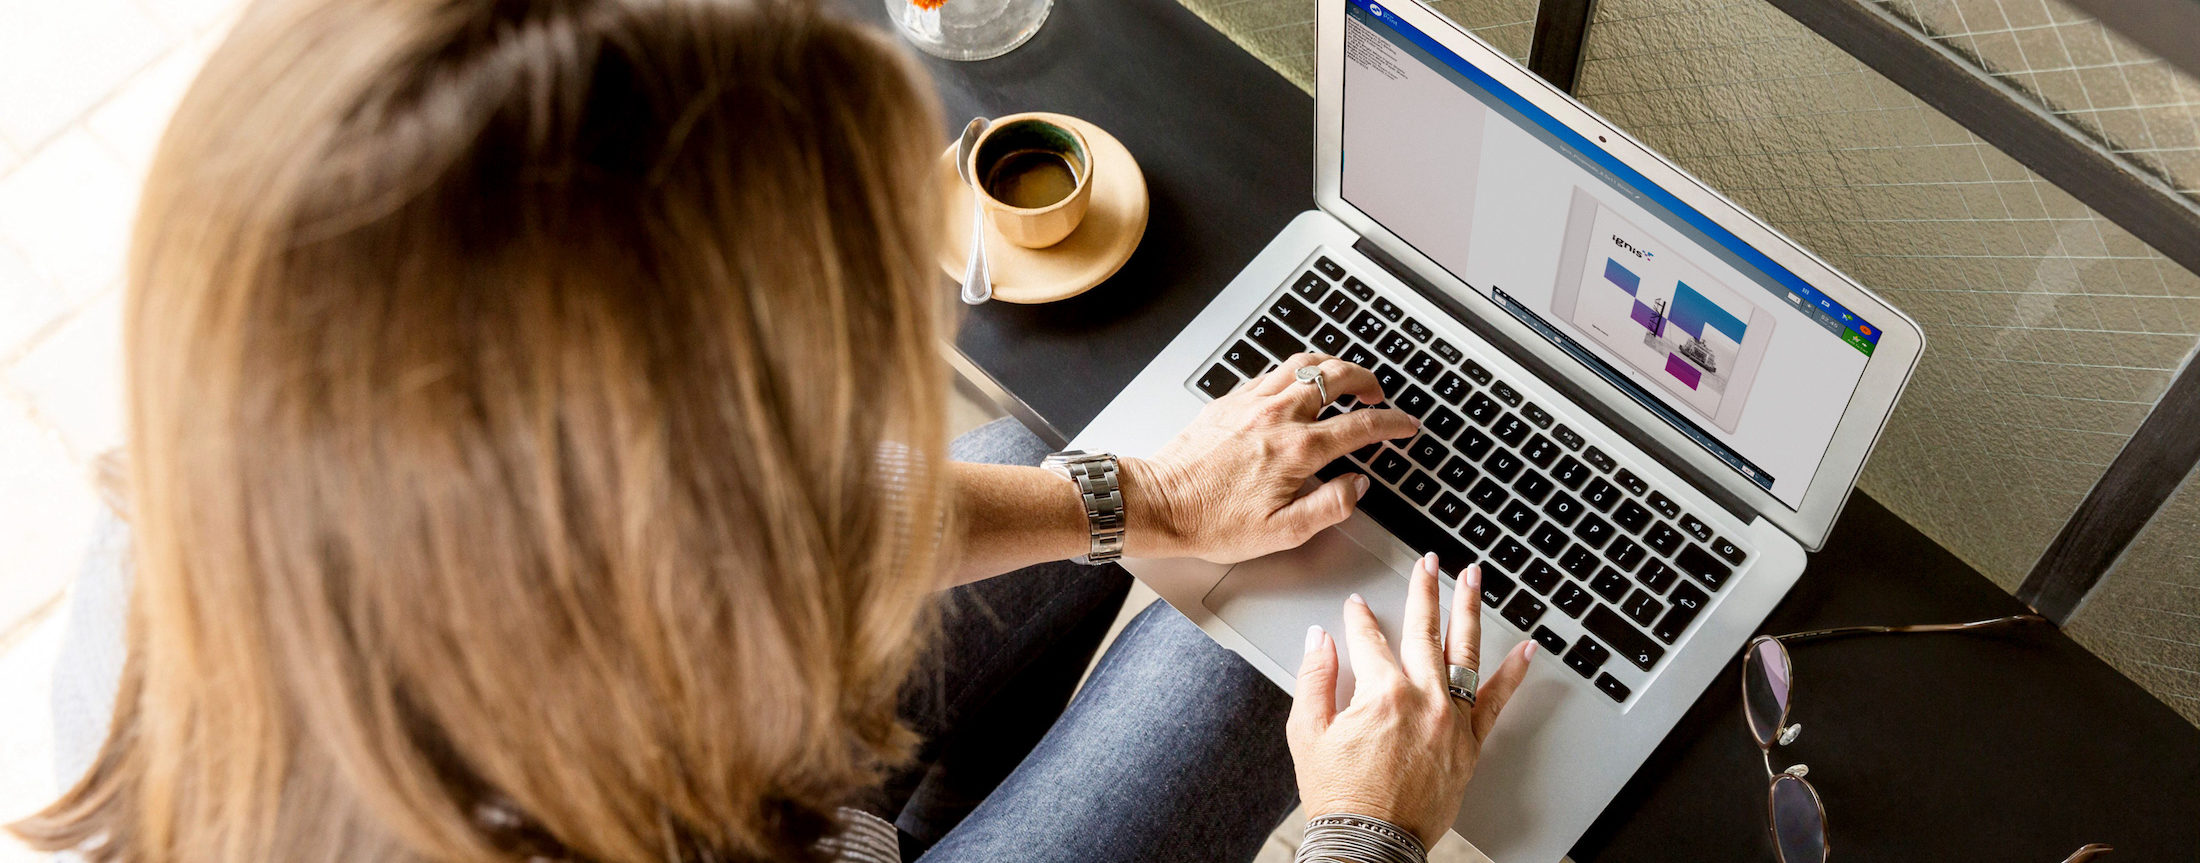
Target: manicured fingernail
(1429,560)
(1474,575)
(1359,486)
(1313,637)
(1529,655)
(1355,599)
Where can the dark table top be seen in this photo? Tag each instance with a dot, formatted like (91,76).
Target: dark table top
(2013,746)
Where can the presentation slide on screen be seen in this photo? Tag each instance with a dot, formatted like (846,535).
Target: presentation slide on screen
(1729,352)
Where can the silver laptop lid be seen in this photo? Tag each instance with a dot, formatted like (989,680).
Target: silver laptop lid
(1738,352)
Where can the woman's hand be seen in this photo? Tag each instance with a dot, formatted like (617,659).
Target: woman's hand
(1404,749)
(1227,488)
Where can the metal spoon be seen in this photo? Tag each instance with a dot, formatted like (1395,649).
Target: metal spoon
(977,286)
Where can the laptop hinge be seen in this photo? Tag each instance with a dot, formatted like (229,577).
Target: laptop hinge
(1580,396)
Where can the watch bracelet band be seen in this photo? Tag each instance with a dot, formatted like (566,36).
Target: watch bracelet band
(1348,838)
(1100,491)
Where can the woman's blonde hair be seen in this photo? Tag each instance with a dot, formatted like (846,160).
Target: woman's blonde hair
(536,437)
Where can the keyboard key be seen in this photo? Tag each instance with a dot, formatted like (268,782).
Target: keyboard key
(1510,554)
(1571,473)
(1419,487)
(1272,338)
(1480,531)
(1423,368)
(1562,509)
(1549,539)
(1368,327)
(1700,564)
(1629,481)
(1570,438)
(1552,644)
(1641,608)
(1367,453)
(1415,529)
(1445,350)
(1503,465)
(1294,314)
(1625,553)
(1593,531)
(1611,686)
(1630,516)
(1625,639)
(1656,576)
(1663,538)
(1391,465)
(1388,309)
(1532,486)
(1217,382)
(1449,509)
(1359,288)
(1458,473)
(1249,361)
(1415,401)
(1427,452)
(1309,286)
(1339,306)
(1476,372)
(1524,609)
(1505,393)
(1725,548)
(1579,562)
(1519,517)
(1510,429)
(1687,601)
(1695,527)
(1573,600)
(1586,657)
(1597,459)
(1452,388)
(1495,586)
(1358,355)
(1664,505)
(1600,495)
(1390,379)
(1473,443)
(1609,584)
(1395,347)
(1416,330)
(1542,578)
(1488,496)
(1330,340)
(1481,409)
(1540,451)
(1536,414)
(1442,422)
(1329,268)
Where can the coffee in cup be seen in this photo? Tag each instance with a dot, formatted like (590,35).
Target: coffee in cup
(1034,179)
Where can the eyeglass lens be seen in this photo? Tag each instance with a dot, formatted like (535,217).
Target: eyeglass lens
(1765,689)
(1798,822)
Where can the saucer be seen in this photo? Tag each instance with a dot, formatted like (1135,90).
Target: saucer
(1112,227)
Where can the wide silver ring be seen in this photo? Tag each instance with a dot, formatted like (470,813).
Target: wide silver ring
(1461,682)
(1313,375)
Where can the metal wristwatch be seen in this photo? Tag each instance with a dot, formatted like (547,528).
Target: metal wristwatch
(1096,476)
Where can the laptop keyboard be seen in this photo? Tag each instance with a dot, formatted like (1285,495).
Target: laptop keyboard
(1578,551)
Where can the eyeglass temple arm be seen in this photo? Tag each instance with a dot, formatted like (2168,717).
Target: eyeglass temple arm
(2089,852)
(1921,627)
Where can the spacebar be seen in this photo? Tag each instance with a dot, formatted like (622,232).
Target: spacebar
(1415,529)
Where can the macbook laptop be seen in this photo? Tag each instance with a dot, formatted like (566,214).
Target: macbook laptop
(1640,405)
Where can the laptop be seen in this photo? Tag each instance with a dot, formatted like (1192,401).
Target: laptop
(1641,406)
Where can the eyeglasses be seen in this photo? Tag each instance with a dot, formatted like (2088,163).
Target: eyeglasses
(1797,816)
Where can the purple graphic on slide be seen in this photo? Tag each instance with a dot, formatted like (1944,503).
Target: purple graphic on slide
(1621,276)
(1682,371)
(1646,316)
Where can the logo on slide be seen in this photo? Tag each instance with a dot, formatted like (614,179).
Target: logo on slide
(1644,254)
(1378,10)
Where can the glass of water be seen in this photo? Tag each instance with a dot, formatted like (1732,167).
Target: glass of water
(968,29)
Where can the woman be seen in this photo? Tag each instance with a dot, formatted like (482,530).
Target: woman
(537,453)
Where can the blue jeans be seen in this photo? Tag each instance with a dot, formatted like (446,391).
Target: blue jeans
(1172,751)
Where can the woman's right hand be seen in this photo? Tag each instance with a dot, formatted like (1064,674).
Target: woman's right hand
(1403,750)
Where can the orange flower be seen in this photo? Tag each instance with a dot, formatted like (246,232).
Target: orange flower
(929,4)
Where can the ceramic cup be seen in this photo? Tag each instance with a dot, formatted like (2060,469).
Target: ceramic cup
(1034,177)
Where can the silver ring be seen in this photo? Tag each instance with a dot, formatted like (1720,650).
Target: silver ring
(1462,683)
(1313,375)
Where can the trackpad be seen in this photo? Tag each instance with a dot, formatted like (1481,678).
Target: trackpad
(1273,599)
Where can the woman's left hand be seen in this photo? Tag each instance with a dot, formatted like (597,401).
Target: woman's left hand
(1228,487)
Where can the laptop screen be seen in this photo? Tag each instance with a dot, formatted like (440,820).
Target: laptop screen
(1732,349)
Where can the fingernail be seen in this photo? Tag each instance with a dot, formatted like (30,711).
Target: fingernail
(1530,655)
(1313,637)
(1430,560)
(1359,486)
(1355,598)
(1474,575)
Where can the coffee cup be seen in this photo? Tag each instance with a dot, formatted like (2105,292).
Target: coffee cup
(1034,179)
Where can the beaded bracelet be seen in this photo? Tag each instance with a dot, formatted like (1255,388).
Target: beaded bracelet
(1347,838)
